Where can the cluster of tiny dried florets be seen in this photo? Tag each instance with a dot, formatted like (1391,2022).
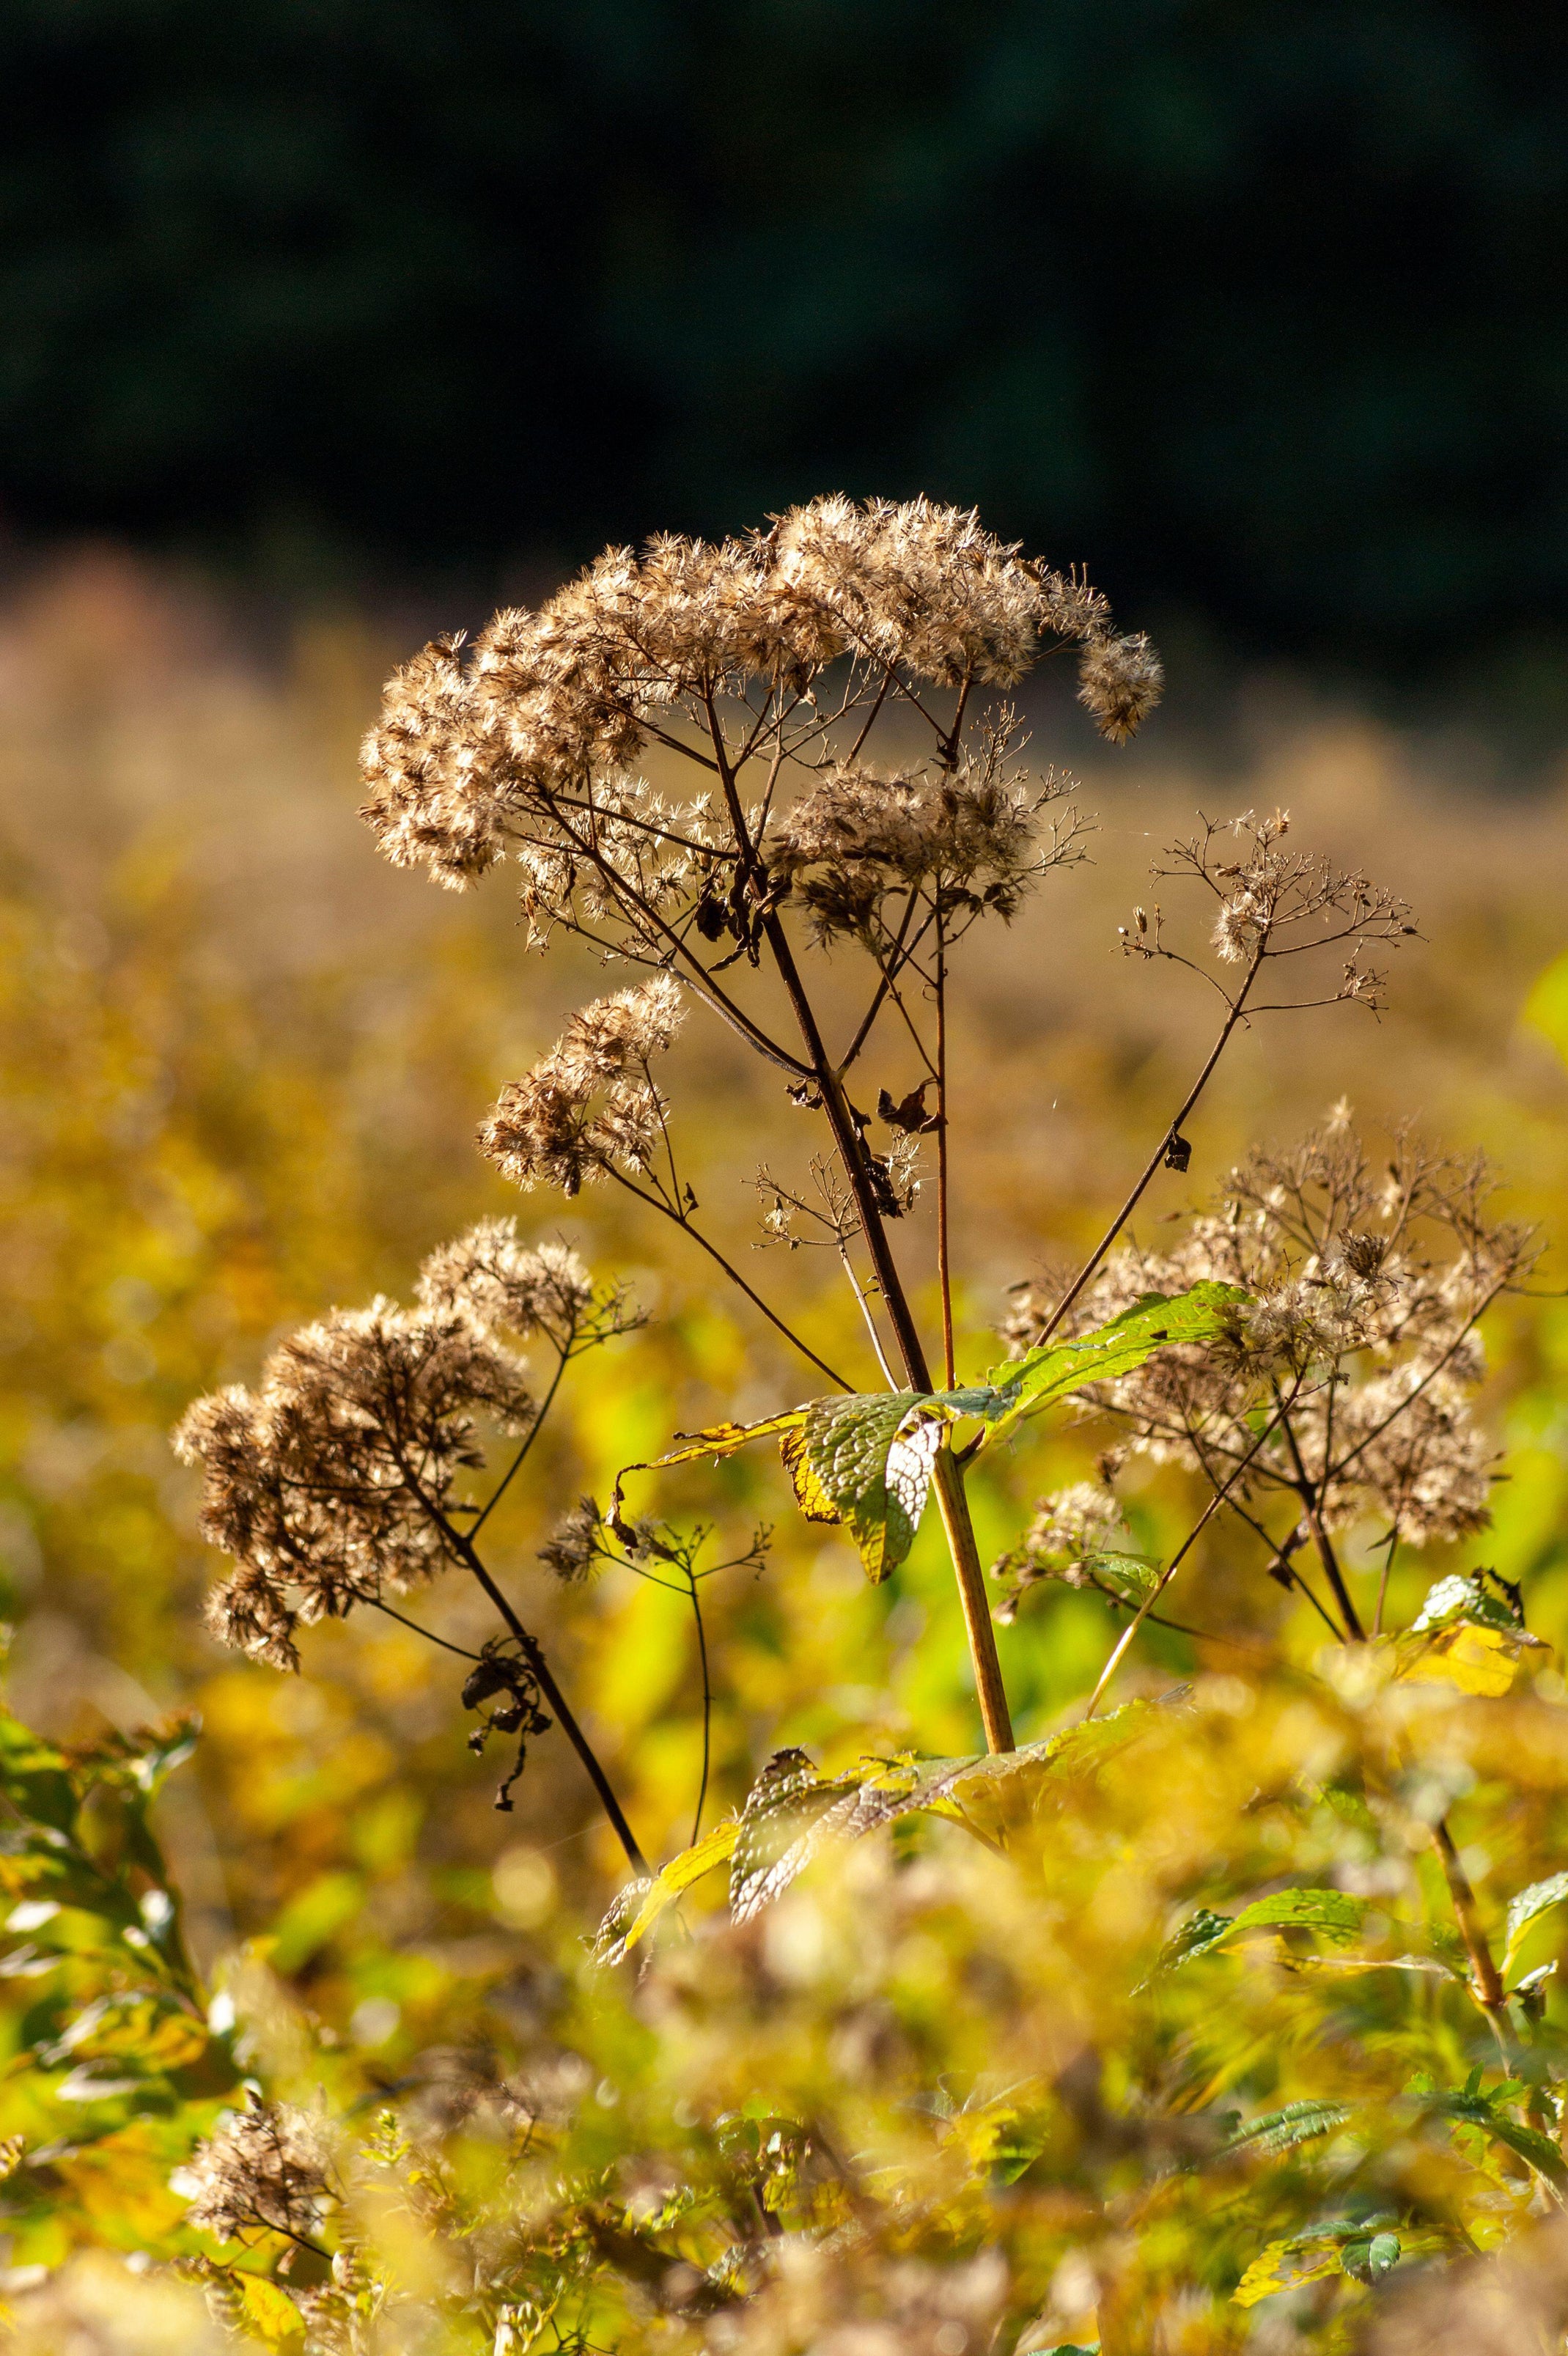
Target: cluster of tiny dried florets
(589,1106)
(266,2167)
(523,743)
(1367,1286)
(332,1483)
(967,834)
(1277,902)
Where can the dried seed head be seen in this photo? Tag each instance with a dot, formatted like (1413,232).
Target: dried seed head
(330,1485)
(266,2167)
(588,1106)
(1120,682)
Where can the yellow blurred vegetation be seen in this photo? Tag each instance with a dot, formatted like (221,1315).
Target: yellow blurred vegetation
(243,1064)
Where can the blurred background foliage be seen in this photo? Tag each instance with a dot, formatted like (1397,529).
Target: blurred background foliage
(243,1063)
(1260,310)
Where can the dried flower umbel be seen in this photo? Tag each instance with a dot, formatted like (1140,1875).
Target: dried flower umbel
(336,1482)
(1360,1344)
(767,663)
(266,2170)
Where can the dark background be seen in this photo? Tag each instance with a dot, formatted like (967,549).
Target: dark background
(1259,310)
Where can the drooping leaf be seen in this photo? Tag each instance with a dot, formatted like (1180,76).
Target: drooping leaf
(627,1922)
(792,1813)
(865,1461)
(1057,1369)
(1526,1906)
(1466,1636)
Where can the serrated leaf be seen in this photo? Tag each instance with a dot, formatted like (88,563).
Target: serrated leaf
(1538,2150)
(617,1933)
(1057,1369)
(865,1461)
(1526,1906)
(1334,1914)
(792,1813)
(1287,2265)
(1478,1661)
(1282,2130)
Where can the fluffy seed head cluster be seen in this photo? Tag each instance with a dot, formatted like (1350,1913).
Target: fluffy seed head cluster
(969,832)
(526,741)
(575,1542)
(588,1106)
(524,1288)
(1283,902)
(266,2167)
(330,1483)
(1367,1283)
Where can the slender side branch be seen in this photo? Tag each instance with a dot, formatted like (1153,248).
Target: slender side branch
(1237,1006)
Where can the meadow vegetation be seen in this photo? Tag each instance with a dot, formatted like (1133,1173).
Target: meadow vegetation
(1145,1889)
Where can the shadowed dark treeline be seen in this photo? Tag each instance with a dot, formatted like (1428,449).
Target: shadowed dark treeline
(1262,309)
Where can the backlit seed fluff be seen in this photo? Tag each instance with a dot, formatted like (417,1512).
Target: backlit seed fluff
(588,1107)
(1120,682)
(523,745)
(330,1485)
(518,1288)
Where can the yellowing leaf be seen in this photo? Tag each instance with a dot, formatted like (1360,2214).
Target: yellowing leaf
(1479,1661)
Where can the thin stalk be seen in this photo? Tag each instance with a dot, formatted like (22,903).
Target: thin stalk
(533,1653)
(1392,1542)
(1164,1580)
(707,1705)
(888,1377)
(944,1277)
(655,1204)
(1490,1994)
(948,1480)
(1320,1538)
(1157,1158)
(546,1403)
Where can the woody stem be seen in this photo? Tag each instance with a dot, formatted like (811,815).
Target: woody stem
(947,1478)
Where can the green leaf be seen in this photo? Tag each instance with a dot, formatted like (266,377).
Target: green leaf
(1288,2265)
(792,1813)
(1370,2256)
(865,1461)
(641,1904)
(1057,1369)
(1282,2130)
(1526,1907)
(1332,1914)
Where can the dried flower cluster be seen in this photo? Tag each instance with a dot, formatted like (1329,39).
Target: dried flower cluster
(513,1288)
(1274,902)
(332,1483)
(589,1106)
(523,746)
(1360,1340)
(968,833)
(267,2168)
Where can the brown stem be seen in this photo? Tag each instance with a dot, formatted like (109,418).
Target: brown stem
(1320,1539)
(1490,1994)
(533,1654)
(948,1480)
(944,1278)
